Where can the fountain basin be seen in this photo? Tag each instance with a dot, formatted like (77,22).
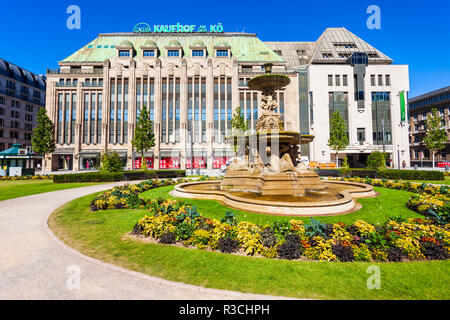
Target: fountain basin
(337,199)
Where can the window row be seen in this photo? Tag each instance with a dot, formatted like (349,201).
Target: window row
(174,53)
(337,80)
(380,77)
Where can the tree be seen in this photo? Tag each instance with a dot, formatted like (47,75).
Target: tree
(436,136)
(111,162)
(43,136)
(144,139)
(376,160)
(338,134)
(239,126)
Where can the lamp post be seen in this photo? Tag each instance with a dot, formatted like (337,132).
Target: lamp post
(398,156)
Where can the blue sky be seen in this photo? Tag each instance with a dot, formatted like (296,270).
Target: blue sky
(417,33)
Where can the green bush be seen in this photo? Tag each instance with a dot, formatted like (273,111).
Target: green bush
(88,177)
(118,176)
(111,162)
(410,174)
(376,160)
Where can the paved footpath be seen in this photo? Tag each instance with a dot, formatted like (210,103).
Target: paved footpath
(34,264)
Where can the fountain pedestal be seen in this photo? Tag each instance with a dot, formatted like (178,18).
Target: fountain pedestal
(277,170)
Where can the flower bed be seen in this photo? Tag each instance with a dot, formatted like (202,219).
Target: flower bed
(430,200)
(126,197)
(177,222)
(36,177)
(173,222)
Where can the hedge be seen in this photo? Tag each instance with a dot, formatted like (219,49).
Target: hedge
(118,176)
(394,174)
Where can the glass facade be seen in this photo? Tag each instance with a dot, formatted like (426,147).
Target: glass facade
(222,108)
(339,101)
(381,115)
(170,127)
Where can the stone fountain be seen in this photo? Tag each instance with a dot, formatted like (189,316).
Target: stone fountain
(276,169)
(269,178)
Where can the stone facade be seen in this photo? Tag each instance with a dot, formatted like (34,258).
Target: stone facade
(22,93)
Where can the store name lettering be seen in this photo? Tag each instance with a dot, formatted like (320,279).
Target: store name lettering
(177,28)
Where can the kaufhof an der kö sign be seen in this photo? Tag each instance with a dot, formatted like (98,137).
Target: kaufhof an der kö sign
(177,28)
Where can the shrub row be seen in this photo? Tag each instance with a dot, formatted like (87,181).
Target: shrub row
(394,174)
(118,176)
(36,177)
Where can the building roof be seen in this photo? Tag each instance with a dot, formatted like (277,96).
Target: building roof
(245,47)
(335,45)
(429,94)
(14,151)
(15,72)
(341,43)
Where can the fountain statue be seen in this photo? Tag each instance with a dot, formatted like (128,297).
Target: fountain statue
(276,169)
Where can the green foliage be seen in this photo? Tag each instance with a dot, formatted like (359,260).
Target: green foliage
(111,162)
(43,136)
(338,133)
(238,123)
(315,227)
(397,174)
(376,160)
(230,218)
(435,136)
(88,177)
(345,164)
(144,138)
(281,228)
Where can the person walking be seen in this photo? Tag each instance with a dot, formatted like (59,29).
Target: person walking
(404,164)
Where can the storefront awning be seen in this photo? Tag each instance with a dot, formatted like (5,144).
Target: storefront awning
(89,152)
(169,153)
(66,151)
(197,153)
(223,153)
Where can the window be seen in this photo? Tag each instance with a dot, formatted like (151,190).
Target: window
(2,122)
(388,80)
(2,111)
(222,53)
(29,108)
(344,80)
(327,55)
(173,53)
(278,52)
(372,80)
(380,80)
(197,53)
(330,80)
(361,134)
(338,80)
(28,126)
(149,53)
(381,118)
(2,100)
(415,116)
(14,135)
(124,53)
(29,117)
(247,68)
(15,124)
(14,114)
(301,52)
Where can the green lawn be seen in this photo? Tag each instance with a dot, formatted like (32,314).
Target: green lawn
(374,210)
(103,235)
(21,188)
